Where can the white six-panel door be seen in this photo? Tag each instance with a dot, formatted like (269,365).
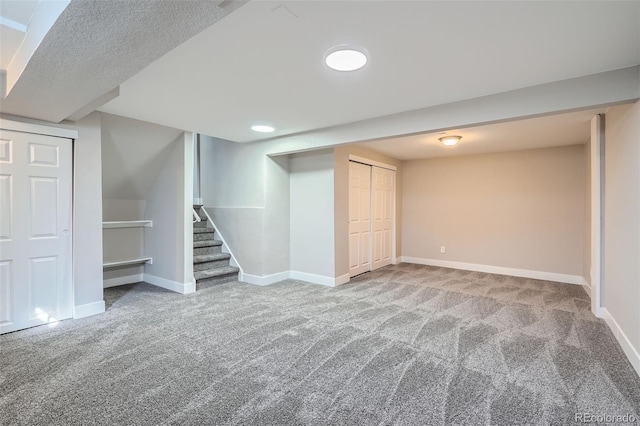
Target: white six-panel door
(382,212)
(35,230)
(359,218)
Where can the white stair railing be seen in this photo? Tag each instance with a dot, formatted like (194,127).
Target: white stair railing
(196,216)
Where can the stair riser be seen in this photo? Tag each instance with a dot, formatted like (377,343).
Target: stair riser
(202,224)
(210,265)
(203,237)
(207,250)
(208,282)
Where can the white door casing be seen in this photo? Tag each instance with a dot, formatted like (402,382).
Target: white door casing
(596,161)
(382,212)
(35,230)
(359,218)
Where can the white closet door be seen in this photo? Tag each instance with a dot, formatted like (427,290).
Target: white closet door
(382,212)
(359,218)
(35,230)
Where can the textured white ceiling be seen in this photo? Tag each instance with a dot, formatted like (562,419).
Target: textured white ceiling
(264,62)
(541,132)
(95,45)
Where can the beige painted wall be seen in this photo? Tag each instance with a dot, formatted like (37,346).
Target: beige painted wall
(521,209)
(341,200)
(621,230)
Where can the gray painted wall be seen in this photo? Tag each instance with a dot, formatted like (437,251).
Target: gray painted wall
(311,185)
(164,242)
(133,154)
(247,193)
(87,196)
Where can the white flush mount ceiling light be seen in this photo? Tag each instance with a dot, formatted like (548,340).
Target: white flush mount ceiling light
(346,58)
(450,140)
(262,128)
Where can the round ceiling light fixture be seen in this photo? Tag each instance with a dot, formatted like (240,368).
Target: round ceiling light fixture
(346,58)
(450,140)
(262,128)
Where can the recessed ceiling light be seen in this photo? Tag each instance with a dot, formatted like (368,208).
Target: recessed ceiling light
(345,58)
(262,128)
(450,140)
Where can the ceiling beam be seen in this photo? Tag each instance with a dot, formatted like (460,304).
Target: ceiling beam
(607,88)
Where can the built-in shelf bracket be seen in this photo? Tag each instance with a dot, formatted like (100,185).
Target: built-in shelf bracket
(128,224)
(130,262)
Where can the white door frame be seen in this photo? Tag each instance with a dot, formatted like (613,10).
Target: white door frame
(38,129)
(597,170)
(375,163)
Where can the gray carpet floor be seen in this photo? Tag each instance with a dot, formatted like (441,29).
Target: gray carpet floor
(406,344)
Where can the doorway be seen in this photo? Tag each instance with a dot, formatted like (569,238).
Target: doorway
(35,230)
(371,217)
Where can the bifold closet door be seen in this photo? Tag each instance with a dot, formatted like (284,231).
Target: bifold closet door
(371,205)
(35,230)
(359,218)
(382,215)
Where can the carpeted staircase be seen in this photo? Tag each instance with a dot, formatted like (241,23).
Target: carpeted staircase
(210,265)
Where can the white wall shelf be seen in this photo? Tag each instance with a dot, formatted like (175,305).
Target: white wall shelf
(128,224)
(130,262)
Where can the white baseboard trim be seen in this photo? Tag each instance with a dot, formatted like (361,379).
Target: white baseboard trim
(343,279)
(524,273)
(313,278)
(178,287)
(294,275)
(631,352)
(397,260)
(82,311)
(586,286)
(266,280)
(129,279)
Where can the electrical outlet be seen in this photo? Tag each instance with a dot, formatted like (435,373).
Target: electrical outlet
(442,249)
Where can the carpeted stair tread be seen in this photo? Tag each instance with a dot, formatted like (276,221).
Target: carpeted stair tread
(207,243)
(210,266)
(217,272)
(210,257)
(203,230)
